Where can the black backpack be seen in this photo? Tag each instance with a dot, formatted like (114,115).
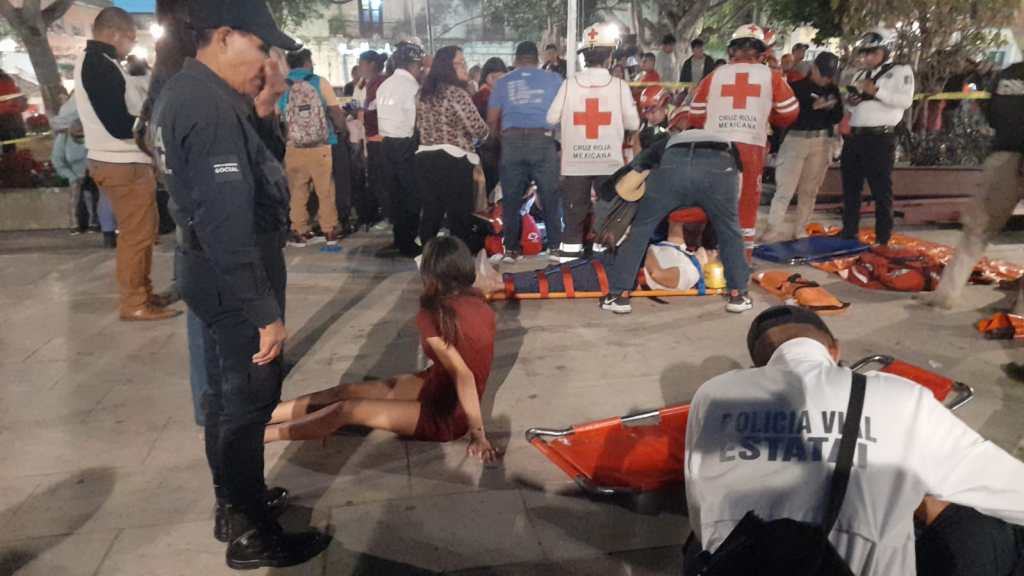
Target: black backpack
(786,546)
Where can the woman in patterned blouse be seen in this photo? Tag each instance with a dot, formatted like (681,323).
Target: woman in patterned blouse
(450,129)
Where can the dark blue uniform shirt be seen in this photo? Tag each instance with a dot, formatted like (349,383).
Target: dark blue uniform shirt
(229,190)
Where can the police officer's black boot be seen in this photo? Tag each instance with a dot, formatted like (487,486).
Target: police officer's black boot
(228,527)
(267,545)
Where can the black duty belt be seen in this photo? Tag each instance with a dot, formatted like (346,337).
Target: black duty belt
(872,130)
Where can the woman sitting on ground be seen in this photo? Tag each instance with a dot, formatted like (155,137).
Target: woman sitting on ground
(440,404)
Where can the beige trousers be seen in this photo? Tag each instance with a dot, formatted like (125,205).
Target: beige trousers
(131,189)
(801,168)
(305,166)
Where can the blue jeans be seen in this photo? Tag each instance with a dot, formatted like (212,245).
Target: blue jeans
(527,156)
(197,373)
(106,214)
(708,179)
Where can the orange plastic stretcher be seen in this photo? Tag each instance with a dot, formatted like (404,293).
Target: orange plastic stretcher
(643,452)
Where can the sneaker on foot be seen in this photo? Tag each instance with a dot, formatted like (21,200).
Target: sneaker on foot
(511,257)
(617,304)
(331,238)
(312,238)
(563,256)
(296,240)
(739,302)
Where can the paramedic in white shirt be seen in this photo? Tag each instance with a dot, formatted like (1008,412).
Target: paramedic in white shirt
(765,439)
(884,90)
(594,110)
(396,118)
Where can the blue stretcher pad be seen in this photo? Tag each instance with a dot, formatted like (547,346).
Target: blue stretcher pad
(812,249)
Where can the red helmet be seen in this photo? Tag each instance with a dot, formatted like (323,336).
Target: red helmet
(653,97)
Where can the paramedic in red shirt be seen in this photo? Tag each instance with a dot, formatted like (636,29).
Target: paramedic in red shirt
(738,101)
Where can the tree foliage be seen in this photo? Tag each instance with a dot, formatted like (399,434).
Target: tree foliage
(933,35)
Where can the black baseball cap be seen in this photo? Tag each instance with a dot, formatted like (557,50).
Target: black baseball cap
(526,49)
(827,64)
(779,316)
(250,16)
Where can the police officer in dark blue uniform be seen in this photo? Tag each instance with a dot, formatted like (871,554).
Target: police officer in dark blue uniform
(231,201)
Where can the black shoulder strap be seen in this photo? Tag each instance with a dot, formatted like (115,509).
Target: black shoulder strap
(847,448)
(881,71)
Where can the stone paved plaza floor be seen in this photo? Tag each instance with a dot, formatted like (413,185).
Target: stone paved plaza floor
(102,469)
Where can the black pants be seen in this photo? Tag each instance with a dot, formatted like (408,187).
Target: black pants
(400,178)
(376,176)
(578,205)
(445,185)
(241,395)
(490,161)
(363,199)
(964,542)
(341,166)
(868,157)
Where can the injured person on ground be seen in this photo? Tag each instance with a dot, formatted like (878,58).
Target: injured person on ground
(675,264)
(439,404)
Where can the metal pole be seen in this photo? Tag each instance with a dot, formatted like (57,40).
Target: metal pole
(570,38)
(430,30)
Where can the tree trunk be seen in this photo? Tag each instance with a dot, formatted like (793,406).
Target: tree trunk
(45,66)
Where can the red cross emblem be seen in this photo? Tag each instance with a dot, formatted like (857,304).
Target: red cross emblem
(592,118)
(593,34)
(752,28)
(741,90)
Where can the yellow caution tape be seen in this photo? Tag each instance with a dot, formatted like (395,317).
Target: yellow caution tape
(671,85)
(25,139)
(978,95)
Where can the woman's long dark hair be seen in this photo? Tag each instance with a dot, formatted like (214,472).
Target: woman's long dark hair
(176,45)
(448,271)
(442,72)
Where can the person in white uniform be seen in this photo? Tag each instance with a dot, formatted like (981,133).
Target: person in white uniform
(766,440)
(881,93)
(594,110)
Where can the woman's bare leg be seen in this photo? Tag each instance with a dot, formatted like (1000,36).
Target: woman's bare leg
(403,387)
(398,416)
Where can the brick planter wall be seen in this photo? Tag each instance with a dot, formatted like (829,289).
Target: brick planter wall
(34,208)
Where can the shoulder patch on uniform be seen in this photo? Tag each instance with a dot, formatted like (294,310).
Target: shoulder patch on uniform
(226,169)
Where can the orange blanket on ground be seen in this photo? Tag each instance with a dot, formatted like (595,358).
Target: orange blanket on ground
(930,256)
(1002,326)
(795,289)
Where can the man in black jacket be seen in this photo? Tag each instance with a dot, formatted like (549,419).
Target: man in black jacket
(1003,189)
(231,199)
(698,65)
(116,163)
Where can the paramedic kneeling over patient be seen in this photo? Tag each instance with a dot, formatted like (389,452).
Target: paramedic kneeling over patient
(439,404)
(766,440)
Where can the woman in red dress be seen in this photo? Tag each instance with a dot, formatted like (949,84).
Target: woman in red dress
(440,404)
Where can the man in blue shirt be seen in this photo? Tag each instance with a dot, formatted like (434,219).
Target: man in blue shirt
(518,111)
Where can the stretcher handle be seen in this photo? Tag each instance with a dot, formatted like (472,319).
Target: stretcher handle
(960,394)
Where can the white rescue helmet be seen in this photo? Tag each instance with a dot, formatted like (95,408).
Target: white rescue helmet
(879,38)
(601,35)
(749,36)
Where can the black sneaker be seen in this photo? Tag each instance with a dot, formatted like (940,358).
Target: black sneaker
(617,304)
(110,239)
(270,547)
(296,240)
(739,302)
(228,526)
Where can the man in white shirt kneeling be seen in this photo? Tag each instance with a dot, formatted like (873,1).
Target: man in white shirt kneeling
(766,440)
